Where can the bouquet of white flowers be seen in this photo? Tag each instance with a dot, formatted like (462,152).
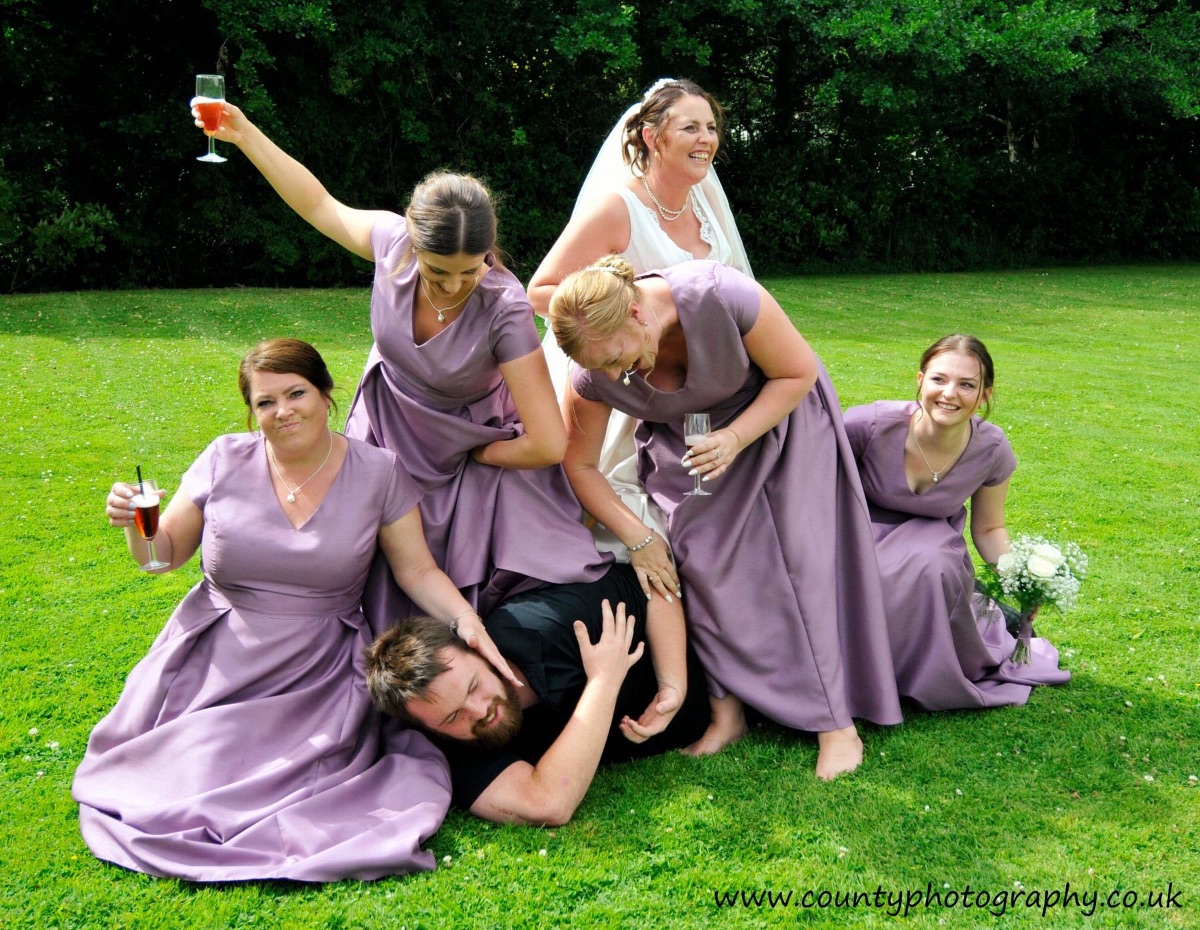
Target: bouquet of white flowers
(1033,573)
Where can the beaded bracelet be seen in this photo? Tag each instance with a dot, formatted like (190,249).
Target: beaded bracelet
(642,545)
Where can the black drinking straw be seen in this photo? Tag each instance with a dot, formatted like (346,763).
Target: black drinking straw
(141,487)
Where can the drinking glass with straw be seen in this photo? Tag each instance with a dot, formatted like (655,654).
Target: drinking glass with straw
(145,517)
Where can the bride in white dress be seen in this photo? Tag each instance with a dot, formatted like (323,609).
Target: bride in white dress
(653,198)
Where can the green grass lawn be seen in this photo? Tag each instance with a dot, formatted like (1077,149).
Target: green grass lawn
(1092,784)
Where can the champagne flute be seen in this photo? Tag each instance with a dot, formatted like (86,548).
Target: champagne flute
(210,99)
(145,518)
(695,430)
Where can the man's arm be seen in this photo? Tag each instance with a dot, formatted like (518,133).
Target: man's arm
(550,792)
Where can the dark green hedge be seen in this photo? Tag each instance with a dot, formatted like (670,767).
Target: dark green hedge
(927,135)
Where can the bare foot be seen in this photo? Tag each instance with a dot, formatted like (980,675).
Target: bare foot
(841,751)
(727,727)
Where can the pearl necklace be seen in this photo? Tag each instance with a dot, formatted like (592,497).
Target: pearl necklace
(442,311)
(937,473)
(669,215)
(292,492)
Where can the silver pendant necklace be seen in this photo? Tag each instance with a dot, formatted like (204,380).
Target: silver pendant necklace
(292,492)
(442,311)
(937,473)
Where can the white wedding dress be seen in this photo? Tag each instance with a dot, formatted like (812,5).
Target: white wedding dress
(649,249)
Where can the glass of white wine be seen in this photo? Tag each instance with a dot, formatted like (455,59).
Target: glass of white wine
(695,430)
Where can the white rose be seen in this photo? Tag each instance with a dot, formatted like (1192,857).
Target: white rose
(1051,554)
(1008,563)
(1041,567)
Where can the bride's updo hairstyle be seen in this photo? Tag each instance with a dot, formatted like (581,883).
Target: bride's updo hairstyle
(592,304)
(655,112)
(451,214)
(967,345)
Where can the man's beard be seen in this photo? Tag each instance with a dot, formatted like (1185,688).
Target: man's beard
(503,730)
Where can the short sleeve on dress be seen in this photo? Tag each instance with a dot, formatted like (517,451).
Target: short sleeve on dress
(581,380)
(739,294)
(514,334)
(860,427)
(387,237)
(1004,462)
(403,493)
(197,482)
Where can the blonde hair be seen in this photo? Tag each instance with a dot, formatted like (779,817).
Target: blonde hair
(592,304)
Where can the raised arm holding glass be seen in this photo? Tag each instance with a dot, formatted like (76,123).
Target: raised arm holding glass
(455,383)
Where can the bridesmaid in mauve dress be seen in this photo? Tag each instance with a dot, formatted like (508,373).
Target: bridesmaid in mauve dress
(445,405)
(950,646)
(779,579)
(244,745)
(456,385)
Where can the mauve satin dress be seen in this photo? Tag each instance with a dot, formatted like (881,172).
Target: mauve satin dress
(244,745)
(494,531)
(950,646)
(780,585)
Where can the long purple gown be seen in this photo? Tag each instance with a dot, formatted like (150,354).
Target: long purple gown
(949,645)
(244,745)
(494,531)
(780,586)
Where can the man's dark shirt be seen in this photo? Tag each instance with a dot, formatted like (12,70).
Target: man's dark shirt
(535,632)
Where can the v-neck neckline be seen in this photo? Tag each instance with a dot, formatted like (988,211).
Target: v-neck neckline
(280,504)
(411,303)
(944,474)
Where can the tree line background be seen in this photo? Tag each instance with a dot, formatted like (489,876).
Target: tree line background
(861,134)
